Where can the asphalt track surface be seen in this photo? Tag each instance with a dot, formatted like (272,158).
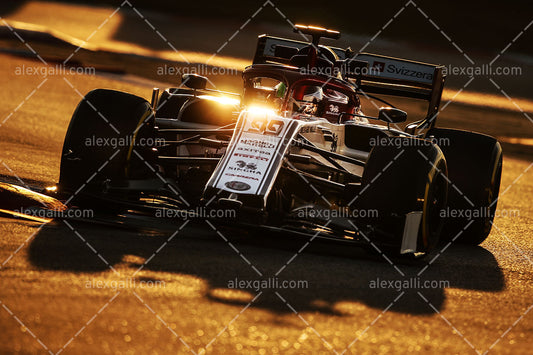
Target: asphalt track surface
(79,288)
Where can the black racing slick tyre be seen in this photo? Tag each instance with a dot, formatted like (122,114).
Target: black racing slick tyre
(475,169)
(403,178)
(99,144)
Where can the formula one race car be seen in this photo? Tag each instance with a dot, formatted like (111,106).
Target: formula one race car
(294,154)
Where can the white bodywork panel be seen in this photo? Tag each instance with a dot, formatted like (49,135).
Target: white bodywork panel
(410,232)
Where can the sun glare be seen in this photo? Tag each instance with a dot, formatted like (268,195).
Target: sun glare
(224,100)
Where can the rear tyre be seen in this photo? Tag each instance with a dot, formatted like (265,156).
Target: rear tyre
(475,169)
(401,179)
(98,145)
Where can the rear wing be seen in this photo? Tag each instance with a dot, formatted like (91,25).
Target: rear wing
(379,74)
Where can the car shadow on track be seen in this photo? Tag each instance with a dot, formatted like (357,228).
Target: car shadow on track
(332,284)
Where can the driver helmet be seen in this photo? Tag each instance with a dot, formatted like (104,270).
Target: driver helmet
(312,93)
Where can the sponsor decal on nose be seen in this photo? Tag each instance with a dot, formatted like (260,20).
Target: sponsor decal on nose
(237,185)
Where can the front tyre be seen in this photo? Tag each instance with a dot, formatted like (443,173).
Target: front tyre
(100,137)
(475,170)
(397,180)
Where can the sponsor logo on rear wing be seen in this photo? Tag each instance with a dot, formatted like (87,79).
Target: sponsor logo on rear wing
(398,69)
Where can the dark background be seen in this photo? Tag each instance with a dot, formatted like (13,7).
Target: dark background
(475,25)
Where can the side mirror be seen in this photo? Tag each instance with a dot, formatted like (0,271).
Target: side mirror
(392,115)
(194,81)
